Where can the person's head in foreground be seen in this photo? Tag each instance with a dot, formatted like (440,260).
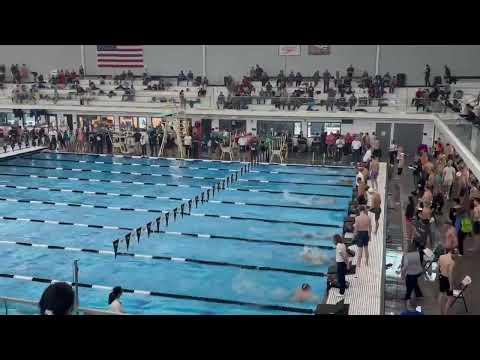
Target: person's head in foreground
(57,299)
(117,291)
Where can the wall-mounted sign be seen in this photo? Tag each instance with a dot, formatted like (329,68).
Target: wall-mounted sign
(318,49)
(289,50)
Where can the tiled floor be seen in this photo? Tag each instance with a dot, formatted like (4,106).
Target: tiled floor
(395,289)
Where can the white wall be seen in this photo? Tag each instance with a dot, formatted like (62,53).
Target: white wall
(41,58)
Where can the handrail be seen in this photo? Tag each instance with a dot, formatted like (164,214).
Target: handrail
(84,311)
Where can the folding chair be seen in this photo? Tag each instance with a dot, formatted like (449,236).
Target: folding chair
(459,293)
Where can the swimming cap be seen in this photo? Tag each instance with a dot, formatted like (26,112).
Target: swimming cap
(305,286)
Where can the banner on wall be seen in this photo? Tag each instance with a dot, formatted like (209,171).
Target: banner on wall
(318,49)
(289,50)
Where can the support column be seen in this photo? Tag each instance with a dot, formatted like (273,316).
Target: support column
(377,60)
(82,52)
(474,142)
(204,60)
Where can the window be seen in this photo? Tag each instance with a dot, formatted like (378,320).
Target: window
(318,127)
(265,127)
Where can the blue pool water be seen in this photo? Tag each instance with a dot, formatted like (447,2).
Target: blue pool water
(319,207)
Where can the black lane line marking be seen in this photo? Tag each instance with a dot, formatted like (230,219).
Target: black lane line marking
(54,222)
(167,258)
(289,192)
(106,181)
(28,157)
(265,220)
(167,295)
(237,238)
(163,197)
(114,172)
(90,206)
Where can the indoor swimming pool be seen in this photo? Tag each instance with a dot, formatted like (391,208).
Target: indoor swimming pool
(238,252)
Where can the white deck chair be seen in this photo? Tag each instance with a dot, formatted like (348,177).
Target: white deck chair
(459,293)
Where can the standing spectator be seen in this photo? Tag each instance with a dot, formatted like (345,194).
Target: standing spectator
(143,143)
(348,143)
(57,299)
(137,136)
(409,215)
(363,229)
(447,75)
(220,101)
(310,91)
(81,72)
(393,85)
(316,79)
(330,141)
(343,264)
(269,88)
(357,149)
(331,99)
(368,155)
(187,143)
(298,79)
(290,78)
(24,73)
(280,77)
(153,142)
(326,81)
(352,101)
(427,75)
(340,143)
(392,152)
(448,175)
(446,264)
(189,77)
(412,269)
(264,77)
(252,74)
(258,73)
(374,170)
(181,77)
(350,71)
(401,160)
(183,100)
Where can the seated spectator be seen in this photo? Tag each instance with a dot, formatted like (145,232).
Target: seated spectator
(111,93)
(269,88)
(220,101)
(24,73)
(81,72)
(130,75)
(264,78)
(202,92)
(280,77)
(310,91)
(181,77)
(57,299)
(393,85)
(204,81)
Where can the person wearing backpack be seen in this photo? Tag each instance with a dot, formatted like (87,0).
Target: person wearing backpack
(464,228)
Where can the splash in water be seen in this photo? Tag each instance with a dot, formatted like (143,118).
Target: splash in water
(308,200)
(314,255)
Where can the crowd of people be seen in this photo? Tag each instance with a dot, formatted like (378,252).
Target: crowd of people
(442,211)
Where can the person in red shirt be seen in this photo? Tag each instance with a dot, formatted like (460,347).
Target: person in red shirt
(61,77)
(330,141)
(348,143)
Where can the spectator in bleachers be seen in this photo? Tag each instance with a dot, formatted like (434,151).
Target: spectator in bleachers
(446,91)
(264,78)
(261,96)
(447,75)
(189,77)
(181,77)
(130,75)
(427,75)
(310,91)
(352,101)
(183,100)
(350,71)
(269,88)
(298,79)
(220,101)
(341,88)
(393,85)
(258,73)
(331,99)
(252,73)
(337,78)
(24,73)
(326,80)
(280,77)
(290,78)
(316,78)
(61,77)
(386,80)
(81,72)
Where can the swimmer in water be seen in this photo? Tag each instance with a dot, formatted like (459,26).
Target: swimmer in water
(305,294)
(314,255)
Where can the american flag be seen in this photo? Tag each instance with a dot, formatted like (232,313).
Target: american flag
(121,56)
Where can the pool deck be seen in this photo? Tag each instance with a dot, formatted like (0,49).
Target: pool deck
(365,293)
(28,150)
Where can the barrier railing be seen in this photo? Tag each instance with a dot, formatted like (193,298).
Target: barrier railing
(15,306)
